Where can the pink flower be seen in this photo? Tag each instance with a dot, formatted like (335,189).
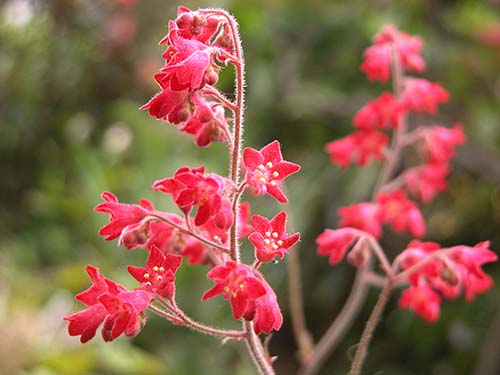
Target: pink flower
(379,113)
(401,213)
(423,300)
(159,275)
(166,105)
(363,216)
(127,221)
(417,251)
(265,312)
(425,181)
(378,57)
(190,187)
(269,238)
(195,25)
(238,284)
(244,229)
(439,142)
(335,243)
(420,95)
(358,147)
(109,302)
(193,250)
(266,169)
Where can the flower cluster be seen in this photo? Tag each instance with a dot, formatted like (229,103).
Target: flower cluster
(431,271)
(211,218)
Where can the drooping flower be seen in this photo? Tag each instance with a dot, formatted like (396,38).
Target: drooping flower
(266,169)
(427,180)
(379,113)
(401,213)
(363,216)
(109,302)
(270,239)
(195,25)
(423,300)
(238,284)
(244,229)
(190,187)
(439,142)
(416,252)
(420,95)
(358,147)
(335,243)
(391,42)
(265,312)
(127,221)
(159,274)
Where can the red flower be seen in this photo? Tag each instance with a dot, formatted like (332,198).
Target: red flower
(427,180)
(266,169)
(358,147)
(127,221)
(401,213)
(335,243)
(420,95)
(265,312)
(423,300)
(238,284)
(439,142)
(190,187)
(109,302)
(416,252)
(159,275)
(269,238)
(363,216)
(378,57)
(194,25)
(379,113)
(244,229)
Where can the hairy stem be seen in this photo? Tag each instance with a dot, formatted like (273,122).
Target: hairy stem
(257,351)
(369,329)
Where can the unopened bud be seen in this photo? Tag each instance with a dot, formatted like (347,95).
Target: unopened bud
(211,77)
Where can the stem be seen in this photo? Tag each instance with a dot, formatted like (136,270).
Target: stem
(370,328)
(340,325)
(257,351)
(180,316)
(206,241)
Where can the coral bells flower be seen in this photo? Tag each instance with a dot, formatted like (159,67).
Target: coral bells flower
(425,181)
(363,216)
(159,275)
(269,238)
(266,169)
(127,221)
(401,213)
(166,105)
(358,147)
(378,57)
(190,187)
(195,25)
(379,113)
(265,312)
(238,284)
(335,243)
(439,142)
(109,302)
(423,300)
(420,95)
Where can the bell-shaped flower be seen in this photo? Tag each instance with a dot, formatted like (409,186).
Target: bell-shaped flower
(362,216)
(335,243)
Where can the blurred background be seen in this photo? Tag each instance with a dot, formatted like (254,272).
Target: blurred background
(72,76)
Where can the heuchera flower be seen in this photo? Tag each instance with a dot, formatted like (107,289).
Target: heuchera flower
(425,181)
(358,147)
(423,300)
(269,238)
(266,169)
(109,302)
(379,113)
(265,312)
(190,187)
(363,216)
(126,221)
(420,95)
(439,142)
(378,57)
(159,274)
(238,284)
(335,243)
(401,213)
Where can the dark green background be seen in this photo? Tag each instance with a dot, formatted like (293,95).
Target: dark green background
(70,128)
